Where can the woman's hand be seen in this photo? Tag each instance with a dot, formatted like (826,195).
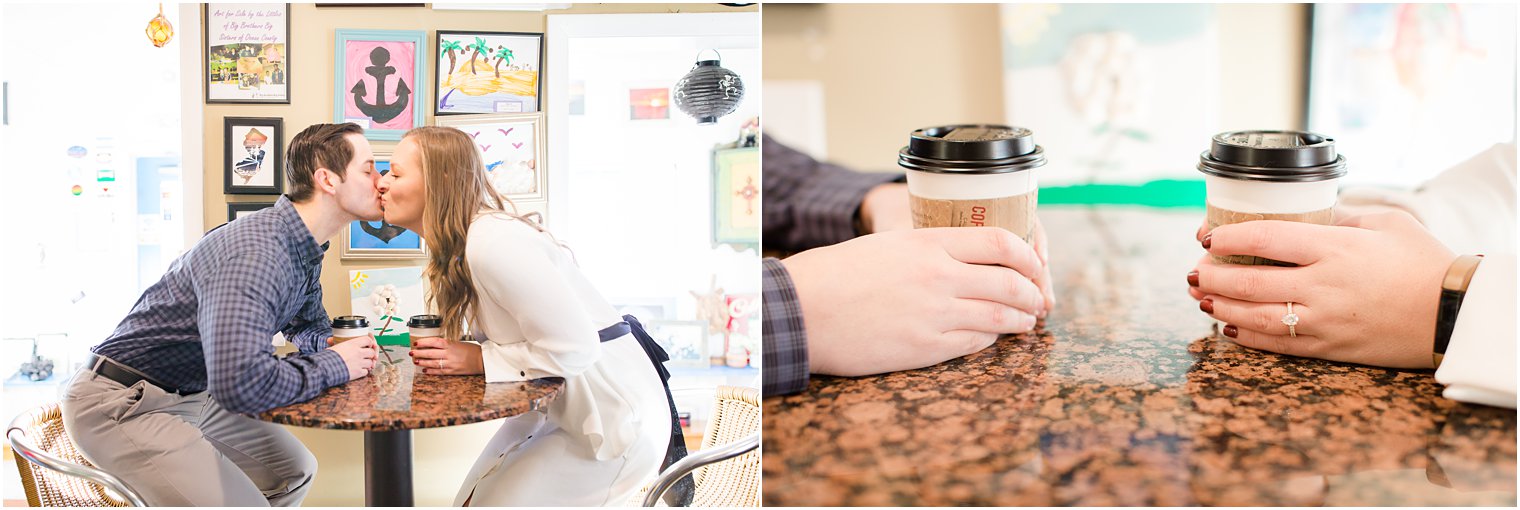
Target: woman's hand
(436,356)
(1366,290)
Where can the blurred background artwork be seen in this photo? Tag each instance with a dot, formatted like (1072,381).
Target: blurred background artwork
(1124,97)
(1116,93)
(1410,89)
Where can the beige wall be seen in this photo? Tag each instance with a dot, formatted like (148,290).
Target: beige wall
(862,53)
(442,456)
(874,60)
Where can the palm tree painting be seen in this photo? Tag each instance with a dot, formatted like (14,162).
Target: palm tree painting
(476,50)
(512,86)
(502,53)
(450,49)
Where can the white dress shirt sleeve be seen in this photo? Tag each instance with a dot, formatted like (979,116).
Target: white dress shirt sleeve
(1479,366)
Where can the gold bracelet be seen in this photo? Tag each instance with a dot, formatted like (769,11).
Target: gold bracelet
(1453,290)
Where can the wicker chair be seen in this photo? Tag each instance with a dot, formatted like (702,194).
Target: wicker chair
(67,480)
(732,433)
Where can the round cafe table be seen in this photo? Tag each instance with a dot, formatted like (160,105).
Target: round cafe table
(387,407)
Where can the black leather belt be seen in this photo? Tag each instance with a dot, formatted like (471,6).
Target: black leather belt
(123,374)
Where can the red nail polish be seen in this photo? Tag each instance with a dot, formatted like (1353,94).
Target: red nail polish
(1207,305)
(1192,279)
(1208,239)
(1231,331)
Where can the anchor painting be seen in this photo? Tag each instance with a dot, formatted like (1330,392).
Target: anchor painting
(377,78)
(488,72)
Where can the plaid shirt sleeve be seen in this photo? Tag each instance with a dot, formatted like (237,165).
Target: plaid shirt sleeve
(314,329)
(238,296)
(808,203)
(785,361)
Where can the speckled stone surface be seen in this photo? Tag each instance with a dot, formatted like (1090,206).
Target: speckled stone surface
(409,400)
(1127,397)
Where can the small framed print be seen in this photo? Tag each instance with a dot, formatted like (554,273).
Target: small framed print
(378,239)
(736,196)
(379,81)
(237,210)
(488,72)
(254,156)
(513,148)
(247,53)
(649,103)
(684,341)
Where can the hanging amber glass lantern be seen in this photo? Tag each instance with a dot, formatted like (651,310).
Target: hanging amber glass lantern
(159,29)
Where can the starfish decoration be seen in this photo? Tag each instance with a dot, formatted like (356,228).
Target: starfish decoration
(710,306)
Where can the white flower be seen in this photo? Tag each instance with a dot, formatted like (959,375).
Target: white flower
(375,299)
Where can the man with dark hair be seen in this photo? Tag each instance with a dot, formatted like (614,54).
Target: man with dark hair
(161,402)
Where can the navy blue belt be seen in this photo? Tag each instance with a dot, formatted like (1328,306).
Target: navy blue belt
(681,493)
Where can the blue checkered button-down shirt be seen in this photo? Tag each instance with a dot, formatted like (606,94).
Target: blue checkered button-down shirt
(785,361)
(207,324)
(808,204)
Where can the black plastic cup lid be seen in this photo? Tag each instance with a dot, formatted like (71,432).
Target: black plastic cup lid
(350,322)
(1273,156)
(972,149)
(425,321)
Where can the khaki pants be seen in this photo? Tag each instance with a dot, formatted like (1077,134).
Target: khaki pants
(184,450)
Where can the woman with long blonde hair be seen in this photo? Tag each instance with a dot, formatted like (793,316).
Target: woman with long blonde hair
(531,314)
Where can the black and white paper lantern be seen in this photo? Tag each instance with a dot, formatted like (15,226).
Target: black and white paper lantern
(709,91)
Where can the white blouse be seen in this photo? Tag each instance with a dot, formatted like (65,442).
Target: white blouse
(539,317)
(1471,208)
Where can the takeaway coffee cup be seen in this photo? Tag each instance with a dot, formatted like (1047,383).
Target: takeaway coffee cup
(424,326)
(1270,175)
(349,326)
(973,175)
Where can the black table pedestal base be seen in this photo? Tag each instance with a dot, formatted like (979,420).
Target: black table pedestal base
(388,468)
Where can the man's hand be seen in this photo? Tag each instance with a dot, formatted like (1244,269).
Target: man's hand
(909,299)
(358,354)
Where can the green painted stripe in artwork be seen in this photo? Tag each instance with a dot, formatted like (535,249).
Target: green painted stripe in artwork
(1162,193)
(401,339)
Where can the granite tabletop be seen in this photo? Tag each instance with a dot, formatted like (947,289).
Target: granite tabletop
(396,397)
(1127,396)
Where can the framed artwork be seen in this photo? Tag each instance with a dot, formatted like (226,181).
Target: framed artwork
(254,155)
(736,196)
(684,341)
(512,145)
(647,309)
(247,53)
(376,81)
(1382,76)
(649,104)
(1130,84)
(400,288)
(488,72)
(378,239)
(237,210)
